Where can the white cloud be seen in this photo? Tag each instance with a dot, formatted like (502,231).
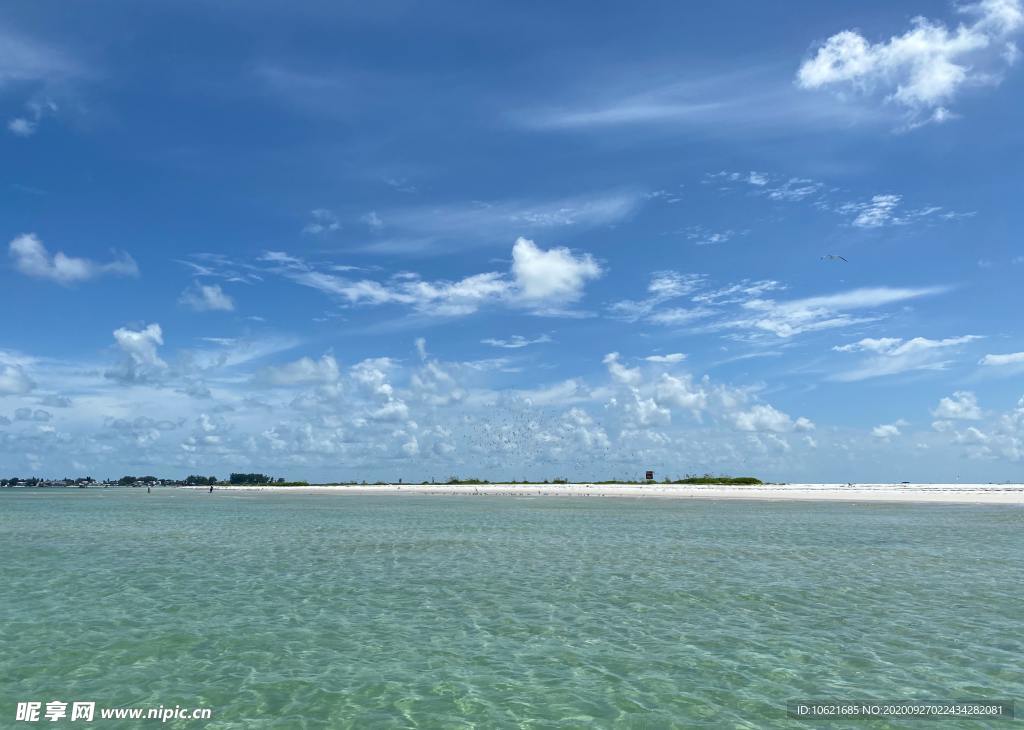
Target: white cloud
(789,318)
(141,360)
(322,220)
(477,223)
(21,127)
(202,297)
(304,371)
(925,68)
(744,306)
(887,431)
(515,341)
(962,405)
(773,187)
(543,281)
(876,213)
(373,220)
(884,210)
(663,287)
(207,298)
(763,417)
(681,392)
(38,108)
(893,355)
(701,236)
(554,276)
(14,380)
(671,358)
(1011,358)
(32,259)
(621,373)
(24,59)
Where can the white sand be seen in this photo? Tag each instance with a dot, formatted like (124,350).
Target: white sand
(955,493)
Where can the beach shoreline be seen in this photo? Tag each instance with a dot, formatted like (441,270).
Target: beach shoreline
(889,493)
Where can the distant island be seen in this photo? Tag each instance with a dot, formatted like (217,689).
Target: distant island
(235,479)
(253,479)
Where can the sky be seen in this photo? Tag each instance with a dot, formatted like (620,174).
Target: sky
(397,240)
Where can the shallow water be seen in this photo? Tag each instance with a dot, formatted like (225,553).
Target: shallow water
(292,611)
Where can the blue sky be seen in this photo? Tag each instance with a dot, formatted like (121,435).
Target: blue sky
(399,240)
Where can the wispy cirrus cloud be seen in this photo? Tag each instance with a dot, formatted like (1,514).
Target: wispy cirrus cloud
(736,102)
(812,314)
(207,298)
(747,309)
(516,342)
(877,211)
(893,355)
(541,281)
(417,229)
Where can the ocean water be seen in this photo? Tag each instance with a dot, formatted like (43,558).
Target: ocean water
(294,611)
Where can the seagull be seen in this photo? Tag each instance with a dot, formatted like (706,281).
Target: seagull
(833,257)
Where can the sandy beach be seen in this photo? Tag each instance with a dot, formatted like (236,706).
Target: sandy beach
(940,493)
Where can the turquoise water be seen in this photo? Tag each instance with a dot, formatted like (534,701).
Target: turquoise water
(293,611)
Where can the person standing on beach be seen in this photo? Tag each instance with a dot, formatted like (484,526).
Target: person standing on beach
(211,489)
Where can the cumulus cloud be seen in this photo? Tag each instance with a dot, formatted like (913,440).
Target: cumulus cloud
(552,276)
(207,298)
(29,414)
(32,259)
(140,359)
(670,358)
(304,371)
(893,355)
(763,417)
(887,431)
(14,380)
(925,68)
(621,373)
(680,391)
(962,405)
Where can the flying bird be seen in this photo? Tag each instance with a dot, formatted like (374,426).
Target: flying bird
(833,257)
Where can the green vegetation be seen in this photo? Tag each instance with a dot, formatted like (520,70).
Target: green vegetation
(249,478)
(194,480)
(455,480)
(708,479)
